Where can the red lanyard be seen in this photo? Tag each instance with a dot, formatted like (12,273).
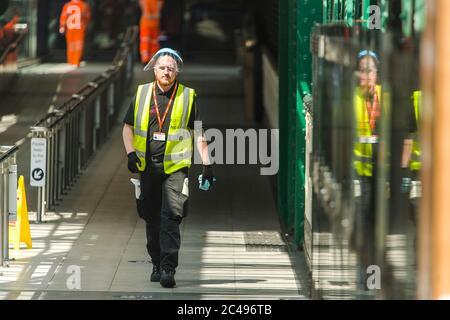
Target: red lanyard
(373,110)
(161,122)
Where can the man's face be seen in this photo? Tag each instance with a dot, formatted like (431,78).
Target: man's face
(166,70)
(367,73)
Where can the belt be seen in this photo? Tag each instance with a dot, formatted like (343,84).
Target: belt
(157,159)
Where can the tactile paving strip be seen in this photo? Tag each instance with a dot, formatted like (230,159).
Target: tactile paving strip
(264,241)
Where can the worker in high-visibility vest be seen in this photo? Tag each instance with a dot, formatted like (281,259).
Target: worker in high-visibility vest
(416,161)
(149,26)
(158,139)
(367,107)
(74,20)
(367,111)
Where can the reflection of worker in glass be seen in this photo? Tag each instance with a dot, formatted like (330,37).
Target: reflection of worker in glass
(9,16)
(367,110)
(416,163)
(149,25)
(7,29)
(74,20)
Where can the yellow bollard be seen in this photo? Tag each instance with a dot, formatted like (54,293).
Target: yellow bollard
(20,230)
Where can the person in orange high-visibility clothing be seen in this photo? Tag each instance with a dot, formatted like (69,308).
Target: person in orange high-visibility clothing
(75,17)
(7,35)
(10,24)
(149,28)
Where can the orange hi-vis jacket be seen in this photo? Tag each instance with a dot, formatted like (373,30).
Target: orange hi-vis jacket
(149,28)
(151,12)
(75,17)
(8,32)
(10,24)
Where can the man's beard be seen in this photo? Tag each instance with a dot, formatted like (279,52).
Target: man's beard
(367,90)
(167,81)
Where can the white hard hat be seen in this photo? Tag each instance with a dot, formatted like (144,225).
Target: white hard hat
(165,52)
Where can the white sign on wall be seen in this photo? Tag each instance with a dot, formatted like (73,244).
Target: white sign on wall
(38,162)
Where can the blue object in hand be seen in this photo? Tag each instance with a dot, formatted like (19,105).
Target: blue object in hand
(205,185)
(406,184)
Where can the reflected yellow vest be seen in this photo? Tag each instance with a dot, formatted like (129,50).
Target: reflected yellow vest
(416,164)
(178,152)
(363,145)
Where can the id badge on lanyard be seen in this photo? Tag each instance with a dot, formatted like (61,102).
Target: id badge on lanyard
(159,136)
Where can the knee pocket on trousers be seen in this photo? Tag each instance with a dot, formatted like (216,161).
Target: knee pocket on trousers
(177,203)
(178,219)
(183,200)
(141,210)
(146,212)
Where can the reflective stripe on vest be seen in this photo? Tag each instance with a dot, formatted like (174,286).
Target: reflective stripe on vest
(415,163)
(364,139)
(151,16)
(178,151)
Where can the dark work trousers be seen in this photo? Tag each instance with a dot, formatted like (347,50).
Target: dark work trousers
(365,226)
(162,205)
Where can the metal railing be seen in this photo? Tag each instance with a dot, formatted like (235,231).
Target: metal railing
(8,196)
(76,128)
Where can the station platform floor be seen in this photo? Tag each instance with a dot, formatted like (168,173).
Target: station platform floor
(232,243)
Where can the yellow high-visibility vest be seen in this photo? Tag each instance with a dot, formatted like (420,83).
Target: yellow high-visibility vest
(178,151)
(364,139)
(415,163)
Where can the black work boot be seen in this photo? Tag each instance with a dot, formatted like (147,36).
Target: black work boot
(168,278)
(156,274)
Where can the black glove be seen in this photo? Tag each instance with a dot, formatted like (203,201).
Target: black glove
(208,174)
(133,162)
